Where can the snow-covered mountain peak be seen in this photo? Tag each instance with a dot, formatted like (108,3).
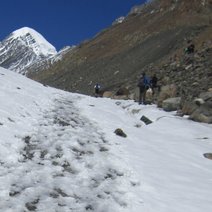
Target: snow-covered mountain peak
(25,48)
(35,40)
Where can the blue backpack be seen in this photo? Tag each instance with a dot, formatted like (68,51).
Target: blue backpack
(147,82)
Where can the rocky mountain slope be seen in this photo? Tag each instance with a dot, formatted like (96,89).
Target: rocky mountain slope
(117,55)
(151,38)
(43,64)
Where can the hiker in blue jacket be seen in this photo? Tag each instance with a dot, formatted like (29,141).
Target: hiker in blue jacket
(143,84)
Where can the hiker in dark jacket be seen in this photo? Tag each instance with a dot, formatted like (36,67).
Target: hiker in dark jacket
(96,89)
(143,85)
(190,48)
(154,81)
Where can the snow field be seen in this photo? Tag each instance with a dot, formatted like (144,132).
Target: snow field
(59,152)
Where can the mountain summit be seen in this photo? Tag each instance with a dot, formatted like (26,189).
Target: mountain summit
(34,40)
(24,47)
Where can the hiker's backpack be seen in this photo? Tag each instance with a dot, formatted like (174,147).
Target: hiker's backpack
(97,86)
(147,82)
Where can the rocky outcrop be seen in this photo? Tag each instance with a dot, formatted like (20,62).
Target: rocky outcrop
(120,132)
(167,91)
(203,111)
(208,155)
(145,120)
(171,104)
(187,76)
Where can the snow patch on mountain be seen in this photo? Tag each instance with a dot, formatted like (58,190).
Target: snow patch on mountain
(119,20)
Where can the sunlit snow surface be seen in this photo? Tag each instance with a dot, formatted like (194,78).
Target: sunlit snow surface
(59,152)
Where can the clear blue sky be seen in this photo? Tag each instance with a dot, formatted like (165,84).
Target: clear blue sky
(62,22)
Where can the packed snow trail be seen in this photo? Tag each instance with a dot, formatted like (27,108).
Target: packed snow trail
(65,165)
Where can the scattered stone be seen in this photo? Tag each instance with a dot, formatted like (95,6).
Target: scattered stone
(135,111)
(107,94)
(118,103)
(200,117)
(195,84)
(43,153)
(179,113)
(206,96)
(54,195)
(134,183)
(67,167)
(31,206)
(168,91)
(171,104)
(205,138)
(120,132)
(138,125)
(89,208)
(203,110)
(122,92)
(28,153)
(208,156)
(103,149)
(27,139)
(61,122)
(55,163)
(199,101)
(188,67)
(14,193)
(10,119)
(61,192)
(145,120)
(122,97)
(188,108)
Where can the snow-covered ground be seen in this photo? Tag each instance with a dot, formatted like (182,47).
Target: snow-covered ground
(59,153)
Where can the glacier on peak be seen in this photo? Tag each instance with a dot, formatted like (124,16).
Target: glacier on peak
(35,40)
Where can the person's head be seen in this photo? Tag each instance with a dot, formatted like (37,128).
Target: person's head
(143,74)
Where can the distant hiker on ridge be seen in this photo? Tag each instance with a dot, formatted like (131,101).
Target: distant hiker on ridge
(190,48)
